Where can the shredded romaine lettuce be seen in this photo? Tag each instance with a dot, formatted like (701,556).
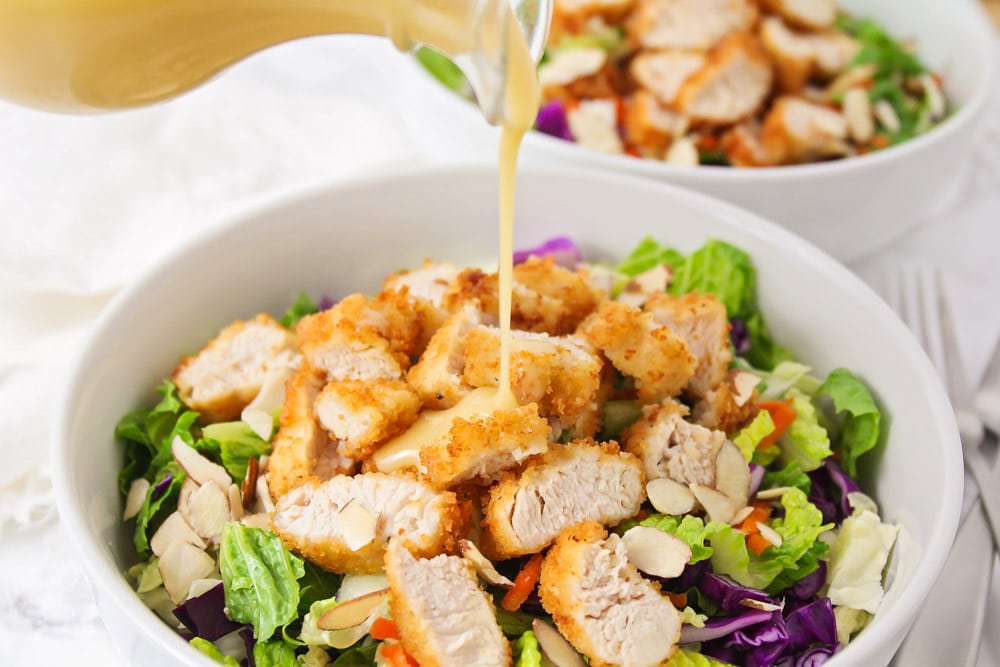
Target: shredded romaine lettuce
(806,442)
(526,651)
(160,502)
(858,417)
(236,443)
(647,254)
(748,439)
(791,475)
(212,651)
(786,375)
(857,559)
(685,658)
(303,305)
(274,653)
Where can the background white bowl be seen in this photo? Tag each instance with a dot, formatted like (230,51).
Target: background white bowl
(849,207)
(343,240)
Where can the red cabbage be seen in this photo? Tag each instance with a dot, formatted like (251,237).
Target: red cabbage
(812,624)
(562,249)
(812,658)
(205,614)
(246,632)
(809,585)
(830,487)
(756,477)
(161,486)
(728,594)
(716,628)
(325,303)
(551,120)
(739,335)
(763,643)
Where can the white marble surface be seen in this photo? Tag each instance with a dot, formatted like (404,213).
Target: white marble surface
(87,202)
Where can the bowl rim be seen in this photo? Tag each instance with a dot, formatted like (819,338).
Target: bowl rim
(111,582)
(987,49)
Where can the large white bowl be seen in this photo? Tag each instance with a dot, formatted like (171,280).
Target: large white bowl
(345,239)
(849,207)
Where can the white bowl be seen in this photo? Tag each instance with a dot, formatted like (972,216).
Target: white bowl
(345,239)
(849,207)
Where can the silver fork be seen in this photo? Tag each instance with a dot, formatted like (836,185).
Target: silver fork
(913,292)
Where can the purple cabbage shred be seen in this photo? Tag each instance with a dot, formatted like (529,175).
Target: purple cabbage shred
(830,487)
(561,249)
(808,586)
(325,303)
(551,120)
(728,594)
(205,614)
(756,477)
(739,335)
(161,486)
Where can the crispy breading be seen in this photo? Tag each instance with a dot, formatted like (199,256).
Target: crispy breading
(700,319)
(663,73)
(571,17)
(579,73)
(695,25)
(302,450)
(669,446)
(571,483)
(437,376)
(796,130)
(443,615)
(655,356)
(427,521)
(732,86)
(799,57)
(649,126)
(479,449)
(228,372)
(361,415)
(743,147)
(602,605)
(429,282)
(805,14)
(719,410)
(410,321)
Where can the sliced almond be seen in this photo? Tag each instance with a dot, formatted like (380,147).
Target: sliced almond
(235,503)
(184,498)
(272,391)
(743,384)
(352,612)
(718,505)
(683,152)
(669,496)
(859,115)
(202,586)
(732,474)
(257,520)
(739,516)
(656,552)
(650,281)
(936,102)
(760,604)
(487,572)
(886,116)
(773,494)
(207,511)
(174,530)
(197,466)
(180,565)
(860,502)
(260,422)
(137,491)
(356,523)
(554,646)
(769,534)
(262,495)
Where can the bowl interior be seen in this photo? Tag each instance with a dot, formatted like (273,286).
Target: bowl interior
(340,241)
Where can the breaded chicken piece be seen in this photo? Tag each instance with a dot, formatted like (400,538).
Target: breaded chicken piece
(719,409)
(701,321)
(799,131)
(578,73)
(655,356)
(228,372)
(479,449)
(649,126)
(601,603)
(663,73)
(799,57)
(562,374)
(805,14)
(570,17)
(429,282)
(348,342)
(410,322)
(361,415)
(571,483)
(731,86)
(670,446)
(310,522)
(302,450)
(744,148)
(443,615)
(437,377)
(695,25)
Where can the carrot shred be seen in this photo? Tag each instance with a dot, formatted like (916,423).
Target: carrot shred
(757,543)
(524,583)
(751,524)
(384,628)
(396,656)
(782,414)
(880,141)
(679,600)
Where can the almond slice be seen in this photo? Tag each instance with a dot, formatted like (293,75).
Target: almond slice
(772,494)
(743,384)
(554,646)
(484,568)
(259,422)
(769,534)
(352,612)
(656,552)
(739,516)
(263,496)
(732,474)
(180,565)
(235,503)
(718,505)
(207,511)
(760,604)
(174,530)
(669,496)
(356,523)
(257,520)
(197,466)
(184,497)
(137,491)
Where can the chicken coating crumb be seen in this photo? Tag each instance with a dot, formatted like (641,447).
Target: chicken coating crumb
(363,415)
(228,372)
(719,410)
(478,449)
(443,615)
(427,521)
(650,126)
(601,603)
(571,483)
(410,321)
(655,356)
(429,282)
(796,130)
(437,376)
(302,450)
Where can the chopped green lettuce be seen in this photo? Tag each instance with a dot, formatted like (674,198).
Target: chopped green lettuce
(359,656)
(691,529)
(315,656)
(691,617)
(526,651)
(341,639)
(806,442)
(236,443)
(274,653)
(791,475)
(157,506)
(302,306)
(858,417)
(146,575)
(686,658)
(260,578)
(849,623)
(316,584)
(619,415)
(647,254)
(786,375)
(750,436)
(213,652)
(857,559)
(513,623)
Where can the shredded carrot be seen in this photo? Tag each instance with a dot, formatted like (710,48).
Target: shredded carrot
(383,628)
(620,110)
(524,583)
(868,84)
(751,524)
(880,141)
(396,656)
(708,142)
(782,414)
(756,543)
(679,600)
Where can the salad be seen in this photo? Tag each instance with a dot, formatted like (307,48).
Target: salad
(671,487)
(726,82)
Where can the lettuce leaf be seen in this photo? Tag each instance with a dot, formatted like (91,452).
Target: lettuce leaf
(274,653)
(512,623)
(260,578)
(806,442)
(236,442)
(785,376)
(691,529)
(858,417)
(750,436)
(302,306)
(157,506)
(685,658)
(647,254)
(526,651)
(213,652)
(857,560)
(361,656)
(791,475)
